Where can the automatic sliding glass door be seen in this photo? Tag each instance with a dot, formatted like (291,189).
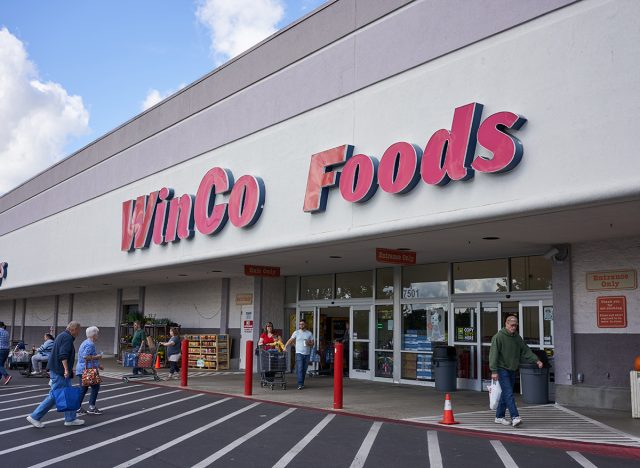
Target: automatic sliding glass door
(360,357)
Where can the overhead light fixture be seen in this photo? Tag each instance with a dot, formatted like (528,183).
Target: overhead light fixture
(106,284)
(182,274)
(403,248)
(215,271)
(335,256)
(491,238)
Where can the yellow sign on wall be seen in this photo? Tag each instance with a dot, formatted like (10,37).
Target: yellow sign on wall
(244,299)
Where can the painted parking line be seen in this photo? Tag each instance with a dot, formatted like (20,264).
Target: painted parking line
(435,457)
(365,448)
(29,426)
(296,449)
(95,426)
(45,394)
(222,452)
(184,437)
(131,433)
(580,459)
(506,459)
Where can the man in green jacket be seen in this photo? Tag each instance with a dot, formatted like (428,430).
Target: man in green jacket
(137,343)
(507,350)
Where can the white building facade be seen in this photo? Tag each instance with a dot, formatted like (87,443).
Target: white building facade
(490,142)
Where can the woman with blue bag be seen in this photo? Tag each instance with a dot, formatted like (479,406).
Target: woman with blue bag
(87,370)
(60,368)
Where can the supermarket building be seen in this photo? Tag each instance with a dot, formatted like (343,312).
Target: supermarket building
(411,171)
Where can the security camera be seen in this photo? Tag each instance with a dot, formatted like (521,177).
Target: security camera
(557,253)
(551,252)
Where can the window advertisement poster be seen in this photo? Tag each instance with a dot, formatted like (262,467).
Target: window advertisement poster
(466,334)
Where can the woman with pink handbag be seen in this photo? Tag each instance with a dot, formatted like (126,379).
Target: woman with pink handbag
(87,370)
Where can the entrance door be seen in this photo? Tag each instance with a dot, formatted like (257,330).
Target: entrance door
(466,333)
(361,353)
(309,315)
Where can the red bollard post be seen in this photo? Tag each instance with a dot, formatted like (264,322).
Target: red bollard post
(248,369)
(184,368)
(337,376)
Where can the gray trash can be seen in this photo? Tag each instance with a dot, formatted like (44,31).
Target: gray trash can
(535,384)
(445,368)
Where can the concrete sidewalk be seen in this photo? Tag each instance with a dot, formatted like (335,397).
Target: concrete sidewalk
(419,405)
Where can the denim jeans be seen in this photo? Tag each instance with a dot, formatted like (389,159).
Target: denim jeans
(94,392)
(57,381)
(507,380)
(302,362)
(4,353)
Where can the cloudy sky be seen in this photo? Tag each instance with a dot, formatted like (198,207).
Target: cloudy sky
(72,70)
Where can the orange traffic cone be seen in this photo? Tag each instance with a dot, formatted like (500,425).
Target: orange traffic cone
(157,366)
(447,417)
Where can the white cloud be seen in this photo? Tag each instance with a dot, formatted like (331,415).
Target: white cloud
(154,97)
(38,118)
(237,25)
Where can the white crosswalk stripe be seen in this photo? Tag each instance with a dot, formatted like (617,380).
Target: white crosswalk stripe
(544,421)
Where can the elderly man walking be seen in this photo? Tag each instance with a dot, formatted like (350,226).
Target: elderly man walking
(507,350)
(61,371)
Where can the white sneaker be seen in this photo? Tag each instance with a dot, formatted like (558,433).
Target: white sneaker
(515,422)
(35,422)
(502,421)
(75,422)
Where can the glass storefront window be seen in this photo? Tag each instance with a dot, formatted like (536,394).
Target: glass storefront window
(467,362)
(290,289)
(488,322)
(425,281)
(416,366)
(360,355)
(384,283)
(481,276)
(530,273)
(360,325)
(423,324)
(316,287)
(384,327)
(354,285)
(530,325)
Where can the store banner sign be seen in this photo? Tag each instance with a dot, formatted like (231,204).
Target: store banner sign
(611,280)
(4,268)
(257,270)
(449,155)
(397,257)
(612,311)
(161,217)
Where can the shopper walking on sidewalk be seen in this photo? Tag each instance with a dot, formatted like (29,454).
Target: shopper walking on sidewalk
(507,350)
(4,353)
(173,352)
(304,342)
(61,371)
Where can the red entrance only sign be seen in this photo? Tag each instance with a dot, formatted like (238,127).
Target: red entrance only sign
(612,312)
(257,270)
(399,257)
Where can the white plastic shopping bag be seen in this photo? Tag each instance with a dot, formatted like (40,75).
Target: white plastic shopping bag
(495,392)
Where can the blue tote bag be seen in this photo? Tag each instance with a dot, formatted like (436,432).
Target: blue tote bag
(68,398)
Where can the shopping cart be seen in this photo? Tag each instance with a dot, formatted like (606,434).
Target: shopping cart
(144,361)
(273,365)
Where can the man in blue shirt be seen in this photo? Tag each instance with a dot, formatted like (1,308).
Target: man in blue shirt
(60,367)
(4,353)
(303,339)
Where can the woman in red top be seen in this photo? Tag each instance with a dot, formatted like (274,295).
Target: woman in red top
(268,338)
